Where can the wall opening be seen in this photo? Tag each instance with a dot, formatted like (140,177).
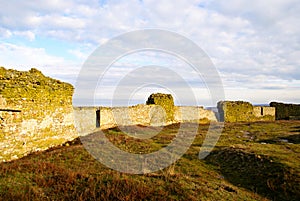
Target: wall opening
(98,119)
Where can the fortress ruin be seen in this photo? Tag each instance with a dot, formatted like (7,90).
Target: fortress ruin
(36,113)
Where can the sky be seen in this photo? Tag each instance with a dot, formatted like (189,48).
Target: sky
(254,45)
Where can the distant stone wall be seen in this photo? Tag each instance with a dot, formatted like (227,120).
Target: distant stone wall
(286,111)
(165,101)
(240,111)
(261,111)
(235,111)
(147,115)
(90,118)
(193,114)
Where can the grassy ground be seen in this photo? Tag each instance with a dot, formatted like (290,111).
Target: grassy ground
(252,161)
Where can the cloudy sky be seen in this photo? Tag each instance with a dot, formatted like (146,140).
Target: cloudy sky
(254,45)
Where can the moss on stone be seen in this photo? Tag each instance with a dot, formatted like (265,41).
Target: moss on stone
(286,111)
(32,92)
(165,101)
(240,111)
(235,111)
(42,101)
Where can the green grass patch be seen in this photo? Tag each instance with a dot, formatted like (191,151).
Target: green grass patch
(252,161)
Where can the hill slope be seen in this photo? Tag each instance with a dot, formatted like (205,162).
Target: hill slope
(252,161)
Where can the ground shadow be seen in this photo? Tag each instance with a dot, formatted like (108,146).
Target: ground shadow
(296,129)
(295,139)
(256,173)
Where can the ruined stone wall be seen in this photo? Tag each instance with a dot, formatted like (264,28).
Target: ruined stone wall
(263,113)
(36,113)
(286,111)
(193,114)
(158,111)
(240,111)
(165,101)
(46,114)
(257,111)
(85,119)
(269,111)
(147,115)
(235,111)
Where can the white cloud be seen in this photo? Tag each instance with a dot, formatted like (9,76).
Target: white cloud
(78,53)
(5,33)
(263,96)
(25,58)
(21,55)
(29,35)
(254,44)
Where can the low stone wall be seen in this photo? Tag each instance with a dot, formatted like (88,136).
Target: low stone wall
(240,111)
(147,115)
(88,119)
(158,111)
(193,114)
(286,111)
(235,111)
(85,119)
(264,113)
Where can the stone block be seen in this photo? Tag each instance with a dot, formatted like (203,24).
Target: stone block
(165,101)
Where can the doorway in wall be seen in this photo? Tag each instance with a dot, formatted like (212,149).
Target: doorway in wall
(97,118)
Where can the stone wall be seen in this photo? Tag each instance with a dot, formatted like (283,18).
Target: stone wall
(260,111)
(165,101)
(158,111)
(240,111)
(90,118)
(193,114)
(286,111)
(35,113)
(85,119)
(269,111)
(235,111)
(147,115)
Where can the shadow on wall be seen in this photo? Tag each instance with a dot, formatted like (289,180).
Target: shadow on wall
(257,173)
(294,139)
(286,111)
(97,118)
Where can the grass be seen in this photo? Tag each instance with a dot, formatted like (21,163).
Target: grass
(252,161)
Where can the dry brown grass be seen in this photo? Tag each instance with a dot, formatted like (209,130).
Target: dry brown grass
(250,162)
